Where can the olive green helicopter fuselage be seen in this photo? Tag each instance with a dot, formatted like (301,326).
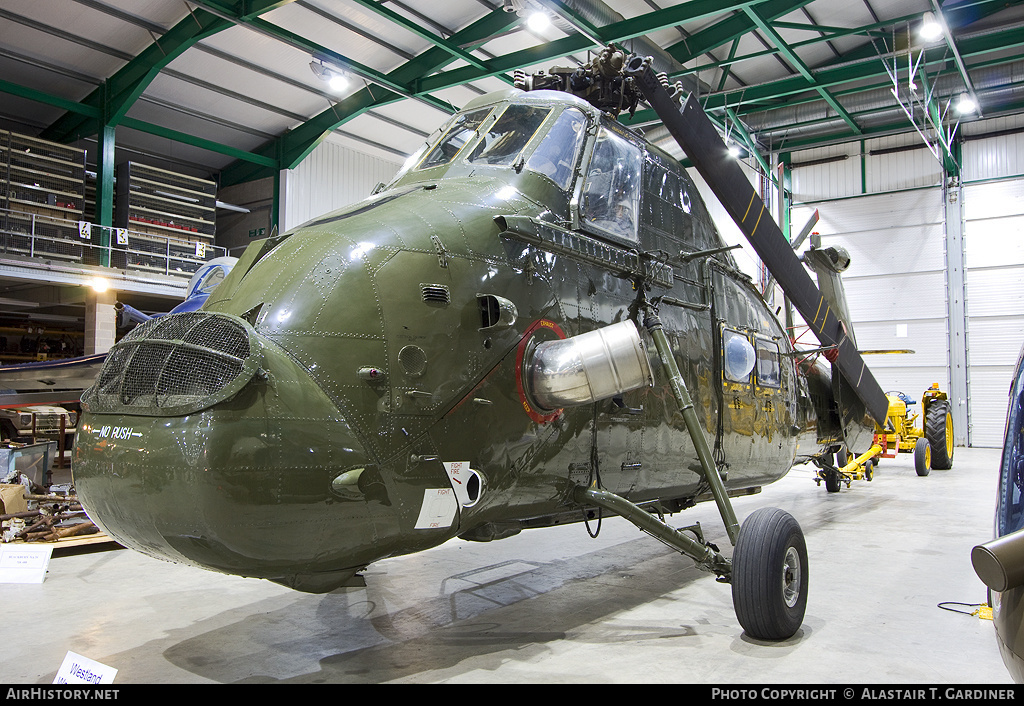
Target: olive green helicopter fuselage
(371,383)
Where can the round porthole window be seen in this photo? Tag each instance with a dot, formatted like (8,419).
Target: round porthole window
(739,357)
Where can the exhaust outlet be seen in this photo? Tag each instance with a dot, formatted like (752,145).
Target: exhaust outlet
(592,366)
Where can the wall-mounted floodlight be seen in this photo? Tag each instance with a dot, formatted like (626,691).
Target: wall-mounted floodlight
(99,285)
(965,104)
(336,80)
(930,29)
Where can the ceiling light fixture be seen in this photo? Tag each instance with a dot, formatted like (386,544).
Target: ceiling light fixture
(965,104)
(336,80)
(930,29)
(538,21)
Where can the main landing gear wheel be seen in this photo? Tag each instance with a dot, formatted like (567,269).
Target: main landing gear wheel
(938,429)
(769,575)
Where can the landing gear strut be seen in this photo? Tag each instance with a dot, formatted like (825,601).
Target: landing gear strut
(768,571)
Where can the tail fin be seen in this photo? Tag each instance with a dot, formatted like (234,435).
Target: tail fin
(828,264)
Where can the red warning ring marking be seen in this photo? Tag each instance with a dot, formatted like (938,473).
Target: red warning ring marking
(531,411)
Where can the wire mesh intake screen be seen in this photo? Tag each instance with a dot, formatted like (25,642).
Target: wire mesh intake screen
(174,364)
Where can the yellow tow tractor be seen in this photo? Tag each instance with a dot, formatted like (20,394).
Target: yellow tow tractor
(931,443)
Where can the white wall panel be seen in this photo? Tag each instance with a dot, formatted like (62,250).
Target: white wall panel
(993,157)
(906,169)
(871,174)
(994,242)
(829,180)
(895,286)
(332,176)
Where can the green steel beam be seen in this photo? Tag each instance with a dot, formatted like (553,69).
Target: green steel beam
(581,23)
(727,67)
(798,64)
(317,51)
(829,76)
(850,31)
(40,97)
(402,21)
(15,89)
(295,145)
(949,162)
(556,49)
(749,142)
(200,142)
(730,29)
(128,83)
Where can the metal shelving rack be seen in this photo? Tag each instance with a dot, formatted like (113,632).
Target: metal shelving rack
(165,203)
(43,192)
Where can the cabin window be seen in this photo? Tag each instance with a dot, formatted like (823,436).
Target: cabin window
(769,371)
(508,136)
(611,196)
(556,155)
(738,356)
(461,132)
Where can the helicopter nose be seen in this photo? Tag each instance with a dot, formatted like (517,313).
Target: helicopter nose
(202,443)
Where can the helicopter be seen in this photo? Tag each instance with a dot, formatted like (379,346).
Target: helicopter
(535,323)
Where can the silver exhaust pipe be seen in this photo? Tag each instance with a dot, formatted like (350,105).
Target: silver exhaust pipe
(592,366)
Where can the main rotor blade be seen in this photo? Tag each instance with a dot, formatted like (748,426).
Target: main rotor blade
(698,138)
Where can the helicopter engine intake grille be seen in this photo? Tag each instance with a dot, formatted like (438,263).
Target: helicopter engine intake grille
(175,364)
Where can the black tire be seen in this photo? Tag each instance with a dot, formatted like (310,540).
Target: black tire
(769,575)
(842,457)
(922,457)
(938,429)
(869,470)
(833,481)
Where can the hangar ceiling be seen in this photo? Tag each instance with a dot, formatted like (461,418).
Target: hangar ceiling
(231,88)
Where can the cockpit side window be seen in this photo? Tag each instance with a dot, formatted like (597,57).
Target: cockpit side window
(611,196)
(557,153)
(509,135)
(461,132)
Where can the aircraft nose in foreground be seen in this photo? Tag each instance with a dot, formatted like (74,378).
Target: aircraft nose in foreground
(197,446)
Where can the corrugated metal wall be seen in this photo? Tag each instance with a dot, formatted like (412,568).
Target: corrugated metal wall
(331,176)
(994,241)
(887,210)
(895,286)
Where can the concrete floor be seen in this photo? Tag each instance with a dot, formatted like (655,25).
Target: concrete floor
(554,605)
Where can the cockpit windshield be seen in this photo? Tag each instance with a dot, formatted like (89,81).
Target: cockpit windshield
(611,195)
(461,132)
(557,153)
(505,140)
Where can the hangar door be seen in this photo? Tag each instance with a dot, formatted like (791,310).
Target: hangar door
(896,284)
(994,251)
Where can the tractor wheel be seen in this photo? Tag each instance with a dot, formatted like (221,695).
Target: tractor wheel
(938,429)
(922,457)
(869,470)
(833,481)
(769,575)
